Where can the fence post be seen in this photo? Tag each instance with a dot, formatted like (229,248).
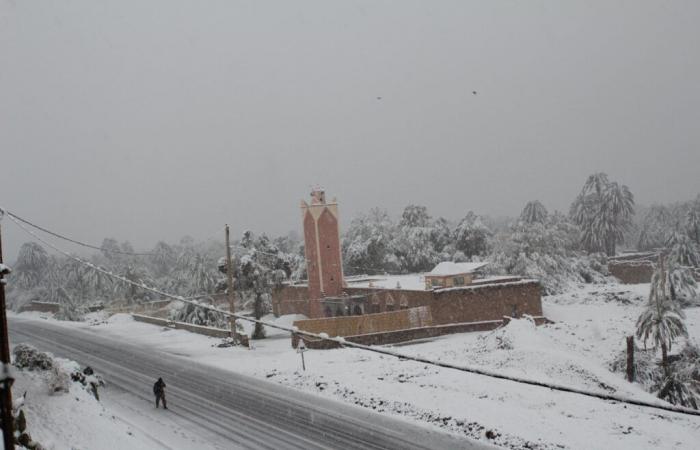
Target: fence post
(630,358)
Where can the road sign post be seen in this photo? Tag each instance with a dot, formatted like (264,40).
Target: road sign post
(301,348)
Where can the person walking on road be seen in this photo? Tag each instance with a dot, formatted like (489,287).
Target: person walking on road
(159,392)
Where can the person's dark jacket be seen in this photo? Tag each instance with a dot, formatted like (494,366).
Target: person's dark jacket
(158,387)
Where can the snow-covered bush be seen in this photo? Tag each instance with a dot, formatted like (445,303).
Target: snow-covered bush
(515,334)
(680,387)
(646,367)
(69,309)
(89,380)
(58,381)
(28,357)
(196,315)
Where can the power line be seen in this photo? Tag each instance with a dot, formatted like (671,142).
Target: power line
(94,247)
(341,341)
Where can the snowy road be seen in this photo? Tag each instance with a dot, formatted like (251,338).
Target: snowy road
(235,409)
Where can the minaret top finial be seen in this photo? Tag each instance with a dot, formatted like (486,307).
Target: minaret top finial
(318,196)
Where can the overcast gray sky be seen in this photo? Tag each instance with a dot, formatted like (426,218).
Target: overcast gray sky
(146,120)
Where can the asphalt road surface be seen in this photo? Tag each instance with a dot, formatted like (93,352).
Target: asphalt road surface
(243,411)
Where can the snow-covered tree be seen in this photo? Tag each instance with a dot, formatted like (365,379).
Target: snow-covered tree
(163,258)
(603,210)
(258,271)
(683,251)
(442,234)
(84,283)
(471,236)
(199,275)
(110,250)
(654,228)
(137,275)
(534,212)
(547,252)
(662,321)
(70,308)
(413,243)
(415,216)
(413,248)
(693,221)
(614,216)
(31,265)
(367,243)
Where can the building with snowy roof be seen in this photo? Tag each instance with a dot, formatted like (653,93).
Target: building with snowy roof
(450,274)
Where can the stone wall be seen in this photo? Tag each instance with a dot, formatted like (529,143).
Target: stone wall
(156,308)
(198,329)
(368,323)
(487,302)
(455,305)
(632,272)
(291,300)
(412,334)
(46,307)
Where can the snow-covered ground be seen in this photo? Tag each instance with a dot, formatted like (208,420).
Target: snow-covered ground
(591,323)
(76,420)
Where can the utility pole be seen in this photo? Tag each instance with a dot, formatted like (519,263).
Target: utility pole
(229,277)
(6,407)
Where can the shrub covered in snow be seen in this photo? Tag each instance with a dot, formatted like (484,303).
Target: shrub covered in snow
(190,313)
(680,387)
(516,333)
(58,381)
(28,357)
(646,367)
(89,379)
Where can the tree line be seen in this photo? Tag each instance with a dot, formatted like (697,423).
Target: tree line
(554,247)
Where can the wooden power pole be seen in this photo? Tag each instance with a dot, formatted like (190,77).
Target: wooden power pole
(6,407)
(229,277)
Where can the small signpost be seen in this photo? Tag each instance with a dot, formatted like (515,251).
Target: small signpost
(301,348)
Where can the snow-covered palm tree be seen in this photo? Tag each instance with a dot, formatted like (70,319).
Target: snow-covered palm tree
(81,280)
(654,228)
(162,258)
(662,321)
(534,212)
(693,221)
(137,276)
(201,275)
(259,271)
(603,210)
(32,262)
(614,216)
(684,251)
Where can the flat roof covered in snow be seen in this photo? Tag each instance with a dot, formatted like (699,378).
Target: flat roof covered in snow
(448,268)
(416,281)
